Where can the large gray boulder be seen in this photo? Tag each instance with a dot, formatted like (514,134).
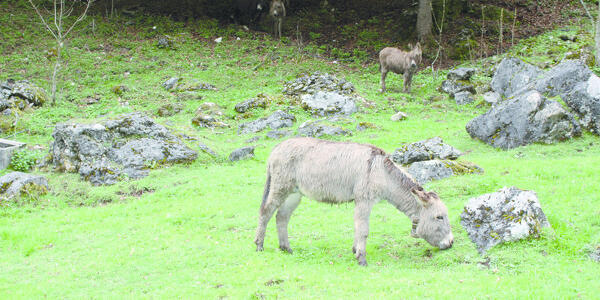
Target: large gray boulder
(526,118)
(433,148)
(278,119)
(328,103)
(562,78)
(512,75)
(20,94)
(584,99)
(508,215)
(15,183)
(125,147)
(242,153)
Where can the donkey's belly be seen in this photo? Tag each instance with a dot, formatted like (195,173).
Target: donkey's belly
(328,195)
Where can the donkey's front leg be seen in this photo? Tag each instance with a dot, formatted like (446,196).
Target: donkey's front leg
(362,211)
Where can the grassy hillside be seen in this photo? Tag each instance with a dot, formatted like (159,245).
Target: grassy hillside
(187,230)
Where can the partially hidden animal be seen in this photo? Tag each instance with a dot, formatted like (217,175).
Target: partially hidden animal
(277,12)
(248,12)
(338,172)
(400,62)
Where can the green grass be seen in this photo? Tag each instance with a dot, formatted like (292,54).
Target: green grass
(190,234)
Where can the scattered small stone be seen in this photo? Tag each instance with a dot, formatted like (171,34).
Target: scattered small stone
(508,215)
(464,97)
(452,87)
(204,148)
(169,109)
(278,119)
(207,121)
(595,254)
(310,84)
(399,116)
(461,74)
(365,125)
(316,129)
(259,101)
(242,153)
(165,42)
(119,89)
(277,134)
(252,139)
(171,83)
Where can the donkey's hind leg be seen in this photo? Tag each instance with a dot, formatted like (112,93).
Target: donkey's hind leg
(283,218)
(274,200)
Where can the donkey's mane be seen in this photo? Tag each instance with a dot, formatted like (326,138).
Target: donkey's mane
(400,176)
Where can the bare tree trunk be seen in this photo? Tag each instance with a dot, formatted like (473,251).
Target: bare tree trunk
(424,19)
(55,72)
(598,37)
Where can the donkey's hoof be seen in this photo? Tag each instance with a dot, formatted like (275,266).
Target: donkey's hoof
(286,249)
(259,248)
(362,262)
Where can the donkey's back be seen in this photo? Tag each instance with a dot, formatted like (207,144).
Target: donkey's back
(321,170)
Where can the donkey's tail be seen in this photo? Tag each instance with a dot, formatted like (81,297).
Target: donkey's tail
(266,192)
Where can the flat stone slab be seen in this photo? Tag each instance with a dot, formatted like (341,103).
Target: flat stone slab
(510,214)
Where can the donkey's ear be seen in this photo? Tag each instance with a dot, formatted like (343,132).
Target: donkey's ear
(421,194)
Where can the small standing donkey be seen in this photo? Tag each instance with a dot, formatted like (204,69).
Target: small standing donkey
(399,62)
(337,172)
(277,12)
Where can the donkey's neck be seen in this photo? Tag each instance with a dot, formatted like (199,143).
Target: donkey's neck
(397,190)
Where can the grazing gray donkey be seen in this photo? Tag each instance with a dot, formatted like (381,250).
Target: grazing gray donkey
(399,62)
(277,12)
(338,172)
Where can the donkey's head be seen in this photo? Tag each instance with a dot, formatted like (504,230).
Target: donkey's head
(277,8)
(433,225)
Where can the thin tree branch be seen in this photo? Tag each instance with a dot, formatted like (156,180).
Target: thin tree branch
(587,11)
(83,15)
(42,18)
